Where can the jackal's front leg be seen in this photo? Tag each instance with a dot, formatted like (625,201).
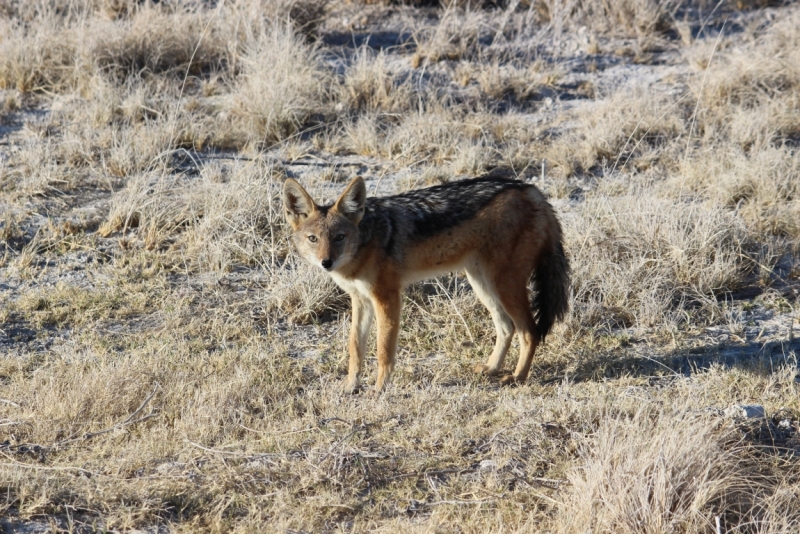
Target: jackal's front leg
(359,334)
(387,308)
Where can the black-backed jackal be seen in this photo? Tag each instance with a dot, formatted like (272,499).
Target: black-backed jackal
(502,232)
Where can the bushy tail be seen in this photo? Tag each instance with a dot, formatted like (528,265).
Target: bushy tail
(551,301)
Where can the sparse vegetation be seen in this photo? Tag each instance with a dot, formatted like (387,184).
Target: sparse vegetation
(169,364)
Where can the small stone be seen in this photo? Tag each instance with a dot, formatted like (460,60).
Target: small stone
(785,424)
(488,464)
(746,411)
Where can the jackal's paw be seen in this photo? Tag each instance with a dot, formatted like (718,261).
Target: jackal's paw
(509,380)
(482,369)
(373,393)
(353,389)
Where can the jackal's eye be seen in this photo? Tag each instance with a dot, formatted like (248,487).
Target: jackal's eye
(338,237)
(312,238)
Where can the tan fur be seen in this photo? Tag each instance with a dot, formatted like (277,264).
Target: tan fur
(499,247)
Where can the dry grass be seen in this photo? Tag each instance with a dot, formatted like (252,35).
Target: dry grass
(626,484)
(170,363)
(281,85)
(369,85)
(653,259)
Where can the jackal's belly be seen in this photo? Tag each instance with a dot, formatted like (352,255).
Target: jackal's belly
(416,275)
(436,256)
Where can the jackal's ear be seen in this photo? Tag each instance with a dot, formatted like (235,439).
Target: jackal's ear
(298,204)
(352,202)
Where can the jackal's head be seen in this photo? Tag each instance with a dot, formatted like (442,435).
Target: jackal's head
(326,236)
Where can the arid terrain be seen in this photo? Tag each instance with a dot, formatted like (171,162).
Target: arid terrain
(168,363)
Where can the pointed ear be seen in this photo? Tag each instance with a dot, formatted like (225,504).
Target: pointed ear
(297,203)
(353,201)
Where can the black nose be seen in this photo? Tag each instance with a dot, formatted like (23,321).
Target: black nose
(327,264)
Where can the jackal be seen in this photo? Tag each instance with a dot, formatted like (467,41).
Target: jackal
(502,232)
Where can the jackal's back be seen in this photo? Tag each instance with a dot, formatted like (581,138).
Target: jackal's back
(422,213)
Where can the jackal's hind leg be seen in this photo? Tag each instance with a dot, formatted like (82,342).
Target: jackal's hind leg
(487,294)
(528,342)
(513,295)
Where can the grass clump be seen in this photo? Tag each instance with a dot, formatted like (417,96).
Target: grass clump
(281,85)
(658,472)
(660,261)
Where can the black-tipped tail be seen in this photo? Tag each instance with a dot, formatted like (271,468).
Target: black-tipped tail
(551,301)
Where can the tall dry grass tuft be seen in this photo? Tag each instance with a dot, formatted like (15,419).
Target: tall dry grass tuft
(65,47)
(631,126)
(650,256)
(764,67)
(317,298)
(748,94)
(154,42)
(237,217)
(747,126)
(56,47)
(222,216)
(280,87)
(760,186)
(658,471)
(225,217)
(636,18)
(440,134)
(370,85)
(153,204)
(43,56)
(499,80)
(456,36)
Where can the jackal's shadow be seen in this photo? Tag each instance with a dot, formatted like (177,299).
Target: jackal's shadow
(752,356)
